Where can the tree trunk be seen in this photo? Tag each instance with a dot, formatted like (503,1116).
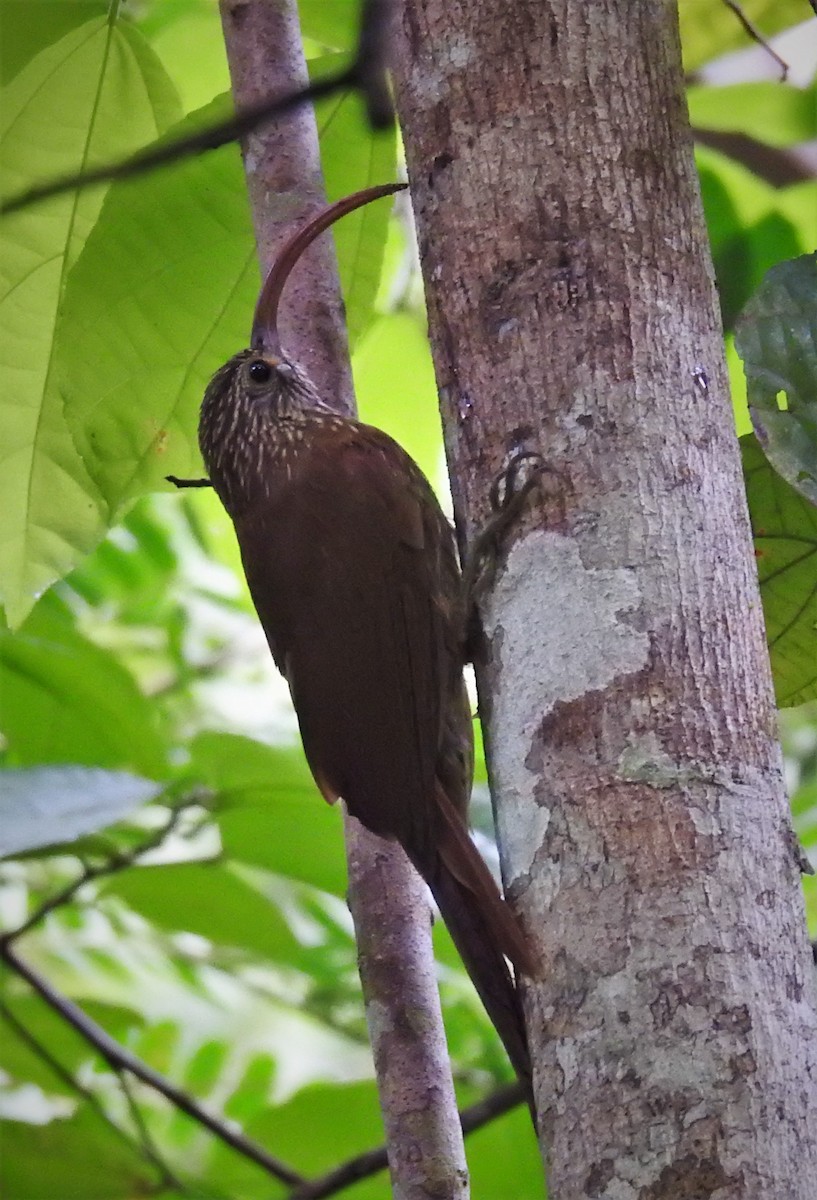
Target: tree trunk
(393,926)
(625,685)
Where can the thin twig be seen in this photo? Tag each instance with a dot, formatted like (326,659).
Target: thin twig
(376,1159)
(148,1146)
(756,36)
(117,862)
(121,1059)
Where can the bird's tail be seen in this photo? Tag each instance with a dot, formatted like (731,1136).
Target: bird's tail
(483,929)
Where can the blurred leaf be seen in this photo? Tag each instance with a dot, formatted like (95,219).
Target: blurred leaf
(207,899)
(269,811)
(709,28)
(506,1139)
(68,701)
(335,25)
(97,93)
(81,1158)
(750,229)
(42,806)
(784,526)
(317,1129)
(396,391)
(776,113)
(777,339)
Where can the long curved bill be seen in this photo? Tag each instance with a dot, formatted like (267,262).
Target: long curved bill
(264,339)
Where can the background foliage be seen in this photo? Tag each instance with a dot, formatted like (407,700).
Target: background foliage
(148,747)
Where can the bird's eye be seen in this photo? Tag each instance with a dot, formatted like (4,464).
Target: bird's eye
(259,371)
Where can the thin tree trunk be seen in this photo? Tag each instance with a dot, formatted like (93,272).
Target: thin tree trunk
(388,900)
(625,687)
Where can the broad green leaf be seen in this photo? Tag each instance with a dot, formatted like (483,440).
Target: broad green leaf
(42,806)
(709,28)
(81,1158)
(65,700)
(95,94)
(269,811)
(207,899)
(161,296)
(775,113)
(28,27)
(777,339)
(784,526)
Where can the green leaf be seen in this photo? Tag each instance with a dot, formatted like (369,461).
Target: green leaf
(42,806)
(334,25)
(396,390)
(161,296)
(784,526)
(776,113)
(208,900)
(68,701)
(28,28)
(709,28)
(82,1158)
(97,93)
(776,337)
(269,811)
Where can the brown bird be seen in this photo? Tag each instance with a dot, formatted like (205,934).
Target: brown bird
(353,571)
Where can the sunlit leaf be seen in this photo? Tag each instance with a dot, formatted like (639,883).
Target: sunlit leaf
(777,340)
(784,525)
(41,806)
(96,93)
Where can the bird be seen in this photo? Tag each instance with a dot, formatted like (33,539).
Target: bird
(353,570)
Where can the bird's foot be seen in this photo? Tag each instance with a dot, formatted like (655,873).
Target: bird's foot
(521,472)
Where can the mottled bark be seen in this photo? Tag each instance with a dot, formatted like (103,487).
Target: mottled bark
(389,902)
(625,687)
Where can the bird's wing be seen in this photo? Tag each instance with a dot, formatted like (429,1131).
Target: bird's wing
(352,569)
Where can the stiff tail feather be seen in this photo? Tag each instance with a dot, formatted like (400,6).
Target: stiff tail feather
(483,929)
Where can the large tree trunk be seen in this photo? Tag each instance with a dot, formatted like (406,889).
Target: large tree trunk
(625,687)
